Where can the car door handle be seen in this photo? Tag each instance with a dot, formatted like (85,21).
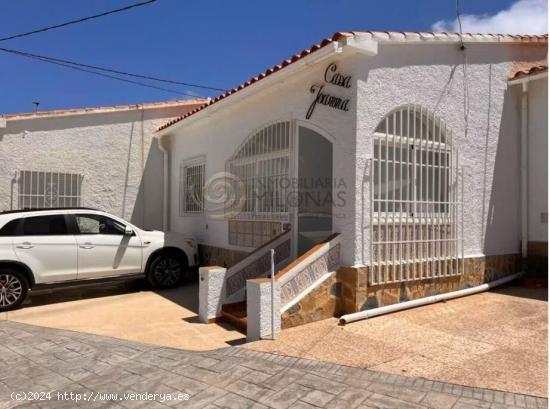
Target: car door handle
(25,245)
(87,246)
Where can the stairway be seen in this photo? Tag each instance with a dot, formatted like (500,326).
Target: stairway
(235,314)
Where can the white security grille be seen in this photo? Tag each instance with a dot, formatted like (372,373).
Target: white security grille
(192,186)
(416,228)
(48,189)
(262,164)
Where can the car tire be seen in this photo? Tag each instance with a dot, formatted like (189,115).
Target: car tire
(14,287)
(167,270)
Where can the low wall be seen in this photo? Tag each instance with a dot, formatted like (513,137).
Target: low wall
(323,302)
(348,291)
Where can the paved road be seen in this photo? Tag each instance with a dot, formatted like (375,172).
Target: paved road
(42,359)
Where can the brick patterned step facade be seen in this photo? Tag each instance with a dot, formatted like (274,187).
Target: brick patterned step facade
(235,314)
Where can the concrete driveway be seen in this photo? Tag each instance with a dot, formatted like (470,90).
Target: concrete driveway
(128,310)
(495,340)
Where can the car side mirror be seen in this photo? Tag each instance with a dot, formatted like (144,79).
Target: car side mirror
(128,231)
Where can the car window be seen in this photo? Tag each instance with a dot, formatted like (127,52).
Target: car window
(52,225)
(9,229)
(98,224)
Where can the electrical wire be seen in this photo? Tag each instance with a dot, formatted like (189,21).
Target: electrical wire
(101,74)
(80,20)
(111,70)
(462,46)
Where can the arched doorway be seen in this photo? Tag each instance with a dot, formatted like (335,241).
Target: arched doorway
(286,172)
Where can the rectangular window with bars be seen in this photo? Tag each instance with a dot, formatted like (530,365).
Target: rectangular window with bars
(191,186)
(38,189)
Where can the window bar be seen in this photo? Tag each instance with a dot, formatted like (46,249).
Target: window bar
(462,217)
(422,196)
(456,213)
(385,279)
(408,198)
(415,211)
(379,277)
(445,216)
(394,203)
(400,167)
(441,262)
(372,239)
(432,212)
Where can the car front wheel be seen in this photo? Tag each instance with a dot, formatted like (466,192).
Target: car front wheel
(167,270)
(13,289)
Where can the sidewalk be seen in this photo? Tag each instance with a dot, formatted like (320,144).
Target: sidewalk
(45,359)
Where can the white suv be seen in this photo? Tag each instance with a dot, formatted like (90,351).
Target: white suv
(59,246)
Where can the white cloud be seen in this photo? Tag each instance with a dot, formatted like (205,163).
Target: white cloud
(522,17)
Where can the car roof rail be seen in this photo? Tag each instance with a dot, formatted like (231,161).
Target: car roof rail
(48,208)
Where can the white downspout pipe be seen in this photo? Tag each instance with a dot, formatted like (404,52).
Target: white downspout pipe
(345,319)
(165,170)
(523,166)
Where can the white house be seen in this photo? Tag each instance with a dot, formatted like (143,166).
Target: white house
(98,157)
(380,166)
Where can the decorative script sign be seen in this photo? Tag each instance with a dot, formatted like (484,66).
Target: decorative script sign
(333,77)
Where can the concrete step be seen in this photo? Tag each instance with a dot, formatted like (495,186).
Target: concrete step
(235,314)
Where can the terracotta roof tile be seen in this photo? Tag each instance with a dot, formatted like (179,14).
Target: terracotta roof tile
(381,36)
(523,68)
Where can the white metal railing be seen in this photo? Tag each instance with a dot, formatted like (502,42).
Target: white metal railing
(416,199)
(39,189)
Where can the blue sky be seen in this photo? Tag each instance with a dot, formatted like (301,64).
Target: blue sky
(213,42)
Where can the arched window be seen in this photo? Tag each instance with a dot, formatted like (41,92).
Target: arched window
(262,164)
(414,198)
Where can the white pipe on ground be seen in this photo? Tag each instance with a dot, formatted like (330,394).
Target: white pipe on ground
(346,319)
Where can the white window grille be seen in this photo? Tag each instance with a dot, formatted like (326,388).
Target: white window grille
(416,228)
(37,189)
(192,186)
(262,164)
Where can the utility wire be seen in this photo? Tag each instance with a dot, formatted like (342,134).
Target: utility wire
(80,20)
(101,74)
(462,46)
(111,70)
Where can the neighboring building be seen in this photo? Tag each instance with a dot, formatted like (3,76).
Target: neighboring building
(420,134)
(97,157)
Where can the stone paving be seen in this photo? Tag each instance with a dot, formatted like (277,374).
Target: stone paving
(41,359)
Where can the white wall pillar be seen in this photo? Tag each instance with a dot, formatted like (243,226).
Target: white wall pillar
(258,308)
(211,292)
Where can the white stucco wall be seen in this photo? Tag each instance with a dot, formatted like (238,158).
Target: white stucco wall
(487,137)
(110,149)
(538,159)
(432,75)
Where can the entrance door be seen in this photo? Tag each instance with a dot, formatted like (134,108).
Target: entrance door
(314,189)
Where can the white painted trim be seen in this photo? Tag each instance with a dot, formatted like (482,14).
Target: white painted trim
(305,292)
